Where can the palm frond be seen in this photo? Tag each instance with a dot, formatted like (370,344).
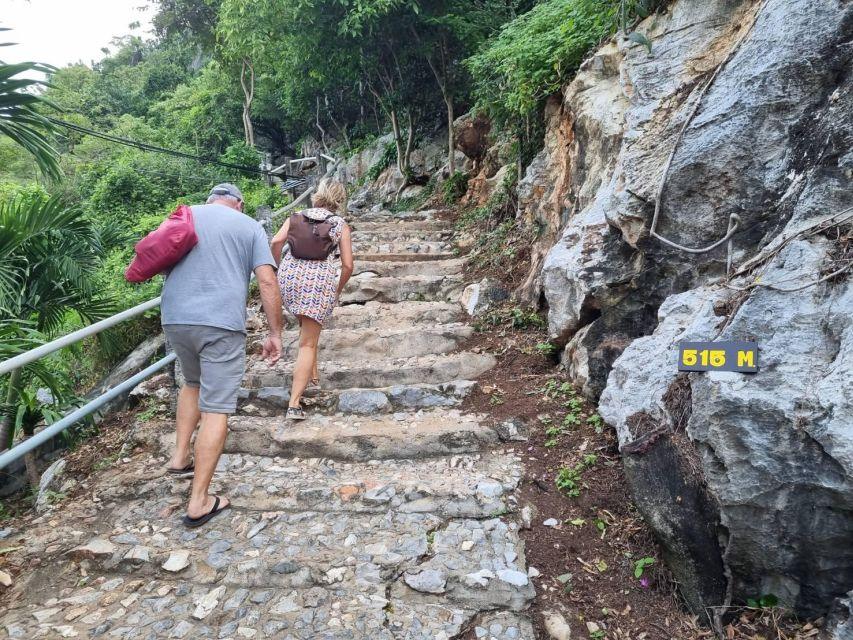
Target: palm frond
(19,119)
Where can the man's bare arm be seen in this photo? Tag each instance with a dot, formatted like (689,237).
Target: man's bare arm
(271,301)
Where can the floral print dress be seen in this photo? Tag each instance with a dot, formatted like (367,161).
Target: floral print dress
(308,287)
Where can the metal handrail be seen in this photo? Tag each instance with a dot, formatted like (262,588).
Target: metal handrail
(19,450)
(55,345)
(7,457)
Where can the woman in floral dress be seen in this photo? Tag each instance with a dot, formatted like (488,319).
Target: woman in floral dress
(310,288)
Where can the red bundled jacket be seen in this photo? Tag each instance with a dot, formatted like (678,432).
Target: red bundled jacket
(164,247)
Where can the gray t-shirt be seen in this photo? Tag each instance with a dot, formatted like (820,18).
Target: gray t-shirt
(210,285)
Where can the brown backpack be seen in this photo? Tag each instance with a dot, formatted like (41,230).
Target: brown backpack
(309,239)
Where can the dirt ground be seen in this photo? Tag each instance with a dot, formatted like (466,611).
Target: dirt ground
(588,560)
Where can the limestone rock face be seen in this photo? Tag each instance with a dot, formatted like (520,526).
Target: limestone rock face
(767,137)
(774,450)
(744,478)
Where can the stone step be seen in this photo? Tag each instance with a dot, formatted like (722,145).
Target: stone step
(390,315)
(430,369)
(346,437)
(406,226)
(273,401)
(366,256)
(386,216)
(374,343)
(386,268)
(367,288)
(459,486)
(402,246)
(319,575)
(386,315)
(403,234)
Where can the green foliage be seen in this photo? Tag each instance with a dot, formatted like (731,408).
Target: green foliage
(640,566)
(568,479)
(20,119)
(767,601)
(455,187)
(536,53)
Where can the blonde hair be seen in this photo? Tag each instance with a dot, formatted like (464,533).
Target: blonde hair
(331,194)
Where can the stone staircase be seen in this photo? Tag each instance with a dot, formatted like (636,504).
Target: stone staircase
(388,514)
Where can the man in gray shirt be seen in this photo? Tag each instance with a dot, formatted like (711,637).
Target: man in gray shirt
(203,311)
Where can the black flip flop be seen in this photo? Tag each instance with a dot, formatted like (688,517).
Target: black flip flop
(190,468)
(192,523)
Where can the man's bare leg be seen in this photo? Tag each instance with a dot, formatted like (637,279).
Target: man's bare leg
(186,421)
(208,447)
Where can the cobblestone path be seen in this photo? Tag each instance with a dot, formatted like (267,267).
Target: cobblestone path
(388,514)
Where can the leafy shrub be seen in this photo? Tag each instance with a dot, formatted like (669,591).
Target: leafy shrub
(537,52)
(241,154)
(455,187)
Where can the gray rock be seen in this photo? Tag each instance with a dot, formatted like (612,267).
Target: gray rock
(420,397)
(840,623)
(556,625)
(379,495)
(513,577)
(773,447)
(363,402)
(426,580)
(479,297)
(50,481)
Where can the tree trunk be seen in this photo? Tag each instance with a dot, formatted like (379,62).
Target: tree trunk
(398,139)
(7,424)
(451,137)
(249,94)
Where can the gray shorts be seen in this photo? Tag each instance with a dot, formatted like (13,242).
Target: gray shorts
(212,359)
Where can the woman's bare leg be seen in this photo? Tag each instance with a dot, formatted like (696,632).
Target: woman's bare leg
(306,360)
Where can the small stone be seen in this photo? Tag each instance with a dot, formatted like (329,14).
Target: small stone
(481,632)
(73,614)
(551,522)
(284,606)
(467,545)
(246,632)
(496,629)
(285,567)
(178,561)
(426,581)
(363,402)
(513,577)
(5,579)
(488,489)
(181,629)
(45,614)
(348,492)
(65,631)
(350,540)
(556,626)
(592,627)
(235,600)
(138,553)
(220,546)
(336,575)
(479,579)
(526,516)
(96,548)
(257,529)
(379,495)
(533,572)
(208,603)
